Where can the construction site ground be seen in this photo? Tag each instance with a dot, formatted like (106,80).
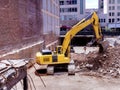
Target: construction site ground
(61,81)
(93,72)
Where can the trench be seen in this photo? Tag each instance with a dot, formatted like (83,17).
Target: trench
(78,40)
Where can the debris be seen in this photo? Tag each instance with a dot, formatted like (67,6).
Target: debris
(107,63)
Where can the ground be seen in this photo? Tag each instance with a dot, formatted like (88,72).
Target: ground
(61,81)
(77,82)
(98,72)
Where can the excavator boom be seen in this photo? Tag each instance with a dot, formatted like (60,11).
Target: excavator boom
(92,19)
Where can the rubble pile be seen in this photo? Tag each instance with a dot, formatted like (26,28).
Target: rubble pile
(107,63)
(110,62)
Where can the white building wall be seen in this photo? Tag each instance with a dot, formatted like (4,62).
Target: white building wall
(50,12)
(65,15)
(105,6)
(112,9)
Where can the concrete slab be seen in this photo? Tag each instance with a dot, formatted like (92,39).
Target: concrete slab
(85,49)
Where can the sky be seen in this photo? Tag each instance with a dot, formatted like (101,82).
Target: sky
(91,4)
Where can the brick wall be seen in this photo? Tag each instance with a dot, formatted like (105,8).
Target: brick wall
(20,25)
(9,24)
(20,21)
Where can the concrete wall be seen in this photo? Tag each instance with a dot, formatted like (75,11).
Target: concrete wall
(23,53)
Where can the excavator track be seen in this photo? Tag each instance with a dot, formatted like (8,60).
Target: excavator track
(50,70)
(71,68)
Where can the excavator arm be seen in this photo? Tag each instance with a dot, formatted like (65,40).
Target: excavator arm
(92,19)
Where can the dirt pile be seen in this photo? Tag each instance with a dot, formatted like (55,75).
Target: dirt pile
(110,62)
(107,63)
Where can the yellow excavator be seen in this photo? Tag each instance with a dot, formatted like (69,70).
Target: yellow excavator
(61,56)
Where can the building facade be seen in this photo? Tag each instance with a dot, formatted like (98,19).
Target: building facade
(112,9)
(50,13)
(71,10)
(100,5)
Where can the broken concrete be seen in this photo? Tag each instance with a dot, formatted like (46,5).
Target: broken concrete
(107,63)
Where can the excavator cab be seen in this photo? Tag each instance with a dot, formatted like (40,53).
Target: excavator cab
(46,52)
(59,50)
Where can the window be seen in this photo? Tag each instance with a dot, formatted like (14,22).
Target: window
(109,7)
(110,14)
(75,9)
(118,14)
(113,14)
(61,2)
(69,2)
(111,1)
(118,7)
(101,6)
(113,20)
(68,9)
(113,7)
(81,7)
(118,19)
(109,20)
(71,9)
(74,1)
(102,20)
(62,17)
(65,9)
(118,1)
(61,9)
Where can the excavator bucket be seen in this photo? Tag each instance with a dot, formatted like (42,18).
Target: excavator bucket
(103,46)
